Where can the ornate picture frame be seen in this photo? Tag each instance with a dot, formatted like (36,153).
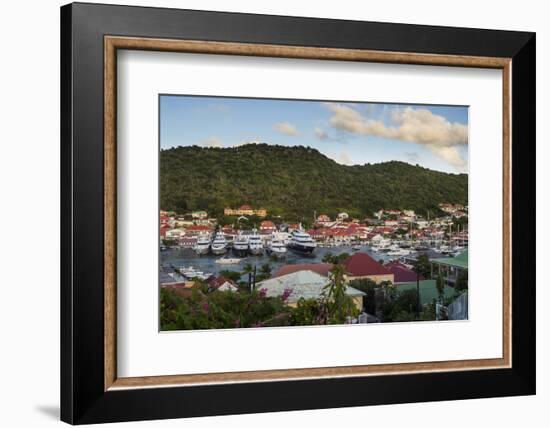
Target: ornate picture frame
(91,389)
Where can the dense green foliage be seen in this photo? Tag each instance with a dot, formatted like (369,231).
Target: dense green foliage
(213,309)
(296,181)
(220,309)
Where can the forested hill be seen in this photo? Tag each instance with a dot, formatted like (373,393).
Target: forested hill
(296,181)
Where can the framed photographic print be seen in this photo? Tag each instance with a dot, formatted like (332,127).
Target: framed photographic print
(292,213)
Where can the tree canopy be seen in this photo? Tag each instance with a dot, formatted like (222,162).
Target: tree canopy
(293,182)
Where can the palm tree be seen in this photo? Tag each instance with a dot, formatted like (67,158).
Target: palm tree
(248,269)
(265,269)
(337,303)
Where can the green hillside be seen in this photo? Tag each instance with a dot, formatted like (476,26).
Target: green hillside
(296,181)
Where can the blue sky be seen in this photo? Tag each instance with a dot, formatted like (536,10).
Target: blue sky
(435,137)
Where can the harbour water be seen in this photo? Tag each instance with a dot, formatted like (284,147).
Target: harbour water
(184,257)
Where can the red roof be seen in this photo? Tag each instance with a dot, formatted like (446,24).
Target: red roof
(198,227)
(320,268)
(401,273)
(361,264)
(245,207)
(328,232)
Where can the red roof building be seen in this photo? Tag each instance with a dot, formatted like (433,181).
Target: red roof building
(320,268)
(402,273)
(267,225)
(198,229)
(163,230)
(361,265)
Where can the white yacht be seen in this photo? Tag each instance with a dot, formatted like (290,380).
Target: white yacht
(276,248)
(227,260)
(240,245)
(191,273)
(202,245)
(301,242)
(399,252)
(255,245)
(219,244)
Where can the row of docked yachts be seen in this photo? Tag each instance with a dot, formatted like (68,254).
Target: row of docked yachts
(253,244)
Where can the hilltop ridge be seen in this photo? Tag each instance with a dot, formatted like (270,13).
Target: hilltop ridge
(296,181)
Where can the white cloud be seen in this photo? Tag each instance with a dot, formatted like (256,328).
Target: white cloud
(321,134)
(415,125)
(344,159)
(286,128)
(211,142)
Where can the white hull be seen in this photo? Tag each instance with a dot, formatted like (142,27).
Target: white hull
(255,251)
(219,251)
(202,250)
(228,261)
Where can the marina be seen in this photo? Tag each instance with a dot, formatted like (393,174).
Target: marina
(173,259)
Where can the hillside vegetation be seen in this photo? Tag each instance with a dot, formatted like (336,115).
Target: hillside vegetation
(296,181)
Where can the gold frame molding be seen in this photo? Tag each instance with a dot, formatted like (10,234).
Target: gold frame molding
(113,43)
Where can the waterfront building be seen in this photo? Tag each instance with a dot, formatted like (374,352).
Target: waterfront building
(304,284)
(175,233)
(200,215)
(342,216)
(245,210)
(392,212)
(267,226)
(294,226)
(451,208)
(199,230)
(323,218)
(421,224)
(450,267)
(363,266)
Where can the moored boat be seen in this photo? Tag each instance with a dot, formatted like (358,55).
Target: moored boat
(301,242)
(276,248)
(202,246)
(228,260)
(240,245)
(219,244)
(255,246)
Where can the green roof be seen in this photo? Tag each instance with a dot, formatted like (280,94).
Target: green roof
(460,261)
(428,290)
